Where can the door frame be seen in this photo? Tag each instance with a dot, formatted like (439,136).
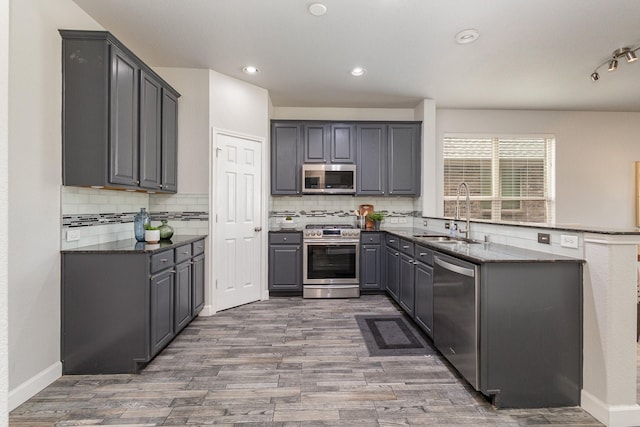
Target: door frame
(211,306)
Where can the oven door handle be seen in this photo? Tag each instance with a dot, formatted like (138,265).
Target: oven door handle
(331,242)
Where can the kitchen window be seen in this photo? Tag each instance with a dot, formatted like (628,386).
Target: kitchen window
(510,178)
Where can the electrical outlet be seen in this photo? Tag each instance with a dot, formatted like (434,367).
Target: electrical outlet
(402,220)
(393,220)
(567,241)
(73,235)
(544,238)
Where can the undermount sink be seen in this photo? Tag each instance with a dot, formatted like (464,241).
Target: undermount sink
(438,238)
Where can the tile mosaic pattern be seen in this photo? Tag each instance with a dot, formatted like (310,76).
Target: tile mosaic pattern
(281,362)
(87,220)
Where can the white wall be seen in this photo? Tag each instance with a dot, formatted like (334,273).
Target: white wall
(4,244)
(193,127)
(34,189)
(595,154)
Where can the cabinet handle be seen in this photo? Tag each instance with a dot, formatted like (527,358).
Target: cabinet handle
(284,238)
(396,254)
(164,260)
(423,254)
(185,253)
(160,186)
(405,247)
(391,240)
(199,246)
(136,182)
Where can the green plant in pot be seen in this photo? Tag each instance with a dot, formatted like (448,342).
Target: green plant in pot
(377,218)
(151,234)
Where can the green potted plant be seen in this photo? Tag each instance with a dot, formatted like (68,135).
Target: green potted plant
(151,234)
(377,218)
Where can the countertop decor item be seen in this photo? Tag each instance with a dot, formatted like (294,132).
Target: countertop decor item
(377,218)
(141,219)
(364,211)
(166,231)
(287,223)
(151,234)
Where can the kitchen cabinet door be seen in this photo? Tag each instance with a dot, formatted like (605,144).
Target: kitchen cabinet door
(371,143)
(404,159)
(162,311)
(150,132)
(392,268)
(285,268)
(123,144)
(316,143)
(183,295)
(169,141)
(406,284)
(286,158)
(371,267)
(342,143)
(424,297)
(197,289)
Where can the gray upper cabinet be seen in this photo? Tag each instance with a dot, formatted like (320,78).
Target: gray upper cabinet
(286,158)
(123,147)
(169,180)
(404,159)
(316,143)
(119,117)
(329,143)
(150,132)
(371,141)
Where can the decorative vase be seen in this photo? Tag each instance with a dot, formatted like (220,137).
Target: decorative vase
(166,231)
(376,224)
(152,236)
(139,221)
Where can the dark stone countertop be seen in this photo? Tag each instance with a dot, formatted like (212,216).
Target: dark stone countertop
(480,253)
(133,246)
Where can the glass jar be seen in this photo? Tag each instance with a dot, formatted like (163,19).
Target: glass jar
(139,222)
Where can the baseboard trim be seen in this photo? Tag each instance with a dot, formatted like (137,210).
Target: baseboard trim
(610,415)
(207,311)
(33,385)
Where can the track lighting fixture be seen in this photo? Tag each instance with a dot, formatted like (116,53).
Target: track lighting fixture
(624,52)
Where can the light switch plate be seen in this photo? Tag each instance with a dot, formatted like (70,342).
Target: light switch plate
(567,241)
(73,235)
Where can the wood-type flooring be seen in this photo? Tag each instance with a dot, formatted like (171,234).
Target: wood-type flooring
(281,362)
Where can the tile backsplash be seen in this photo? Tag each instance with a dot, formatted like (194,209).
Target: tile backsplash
(105,215)
(304,210)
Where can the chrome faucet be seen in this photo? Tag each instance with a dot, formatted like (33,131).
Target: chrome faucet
(468,229)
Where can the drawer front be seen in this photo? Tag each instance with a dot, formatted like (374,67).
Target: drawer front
(370,238)
(161,260)
(197,247)
(406,247)
(423,254)
(285,238)
(393,241)
(183,253)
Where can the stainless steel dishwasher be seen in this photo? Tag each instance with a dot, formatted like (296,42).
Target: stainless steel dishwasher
(455,314)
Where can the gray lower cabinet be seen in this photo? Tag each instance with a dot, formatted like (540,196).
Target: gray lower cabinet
(392,268)
(285,262)
(423,301)
(119,118)
(371,257)
(286,158)
(119,309)
(406,284)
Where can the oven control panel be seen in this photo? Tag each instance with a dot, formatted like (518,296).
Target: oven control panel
(314,233)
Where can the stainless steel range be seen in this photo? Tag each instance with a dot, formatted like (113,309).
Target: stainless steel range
(331,264)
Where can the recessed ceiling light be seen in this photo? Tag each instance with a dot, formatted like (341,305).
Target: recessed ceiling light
(358,71)
(467,36)
(250,69)
(317,9)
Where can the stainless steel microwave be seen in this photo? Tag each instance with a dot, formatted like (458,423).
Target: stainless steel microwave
(328,179)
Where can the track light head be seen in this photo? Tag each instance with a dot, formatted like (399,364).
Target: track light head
(624,52)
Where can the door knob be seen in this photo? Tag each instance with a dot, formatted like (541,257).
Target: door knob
(257,229)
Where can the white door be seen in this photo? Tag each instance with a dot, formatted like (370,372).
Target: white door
(238,228)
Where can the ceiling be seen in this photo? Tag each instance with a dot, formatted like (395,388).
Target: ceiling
(531,54)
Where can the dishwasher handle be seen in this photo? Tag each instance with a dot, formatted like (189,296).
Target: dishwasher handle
(470,272)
